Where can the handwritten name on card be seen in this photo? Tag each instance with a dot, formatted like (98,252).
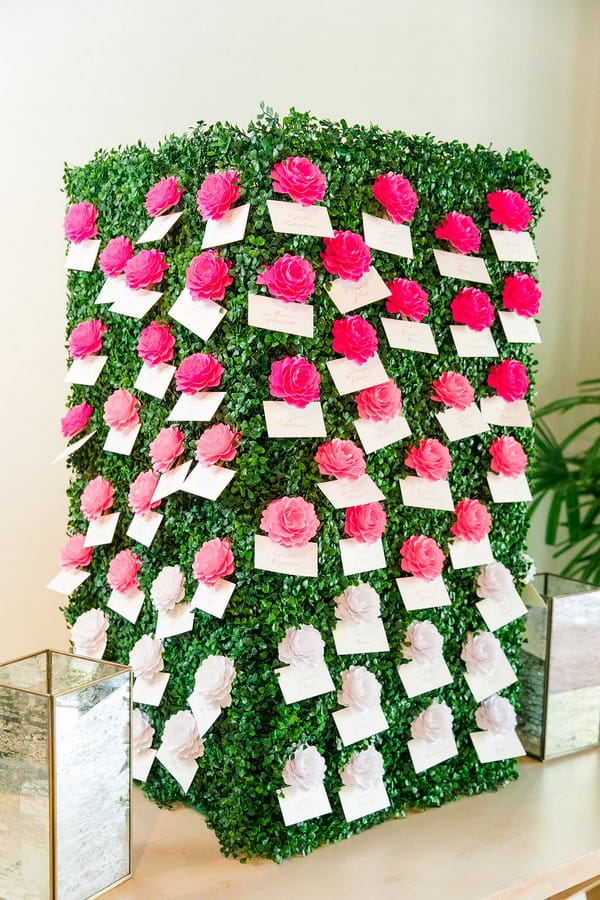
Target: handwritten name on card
(303,683)
(201,317)
(464,554)
(420,492)
(497,411)
(513,246)
(519,329)
(462,423)
(375,435)
(350,295)
(277,315)
(426,754)
(457,265)
(505,489)
(298,805)
(293,218)
(229,229)
(357,724)
(358,557)
(349,637)
(417,593)
(287,421)
(470,343)
(483,686)
(381,234)
(344,492)
(350,377)
(405,335)
(286,560)
(420,678)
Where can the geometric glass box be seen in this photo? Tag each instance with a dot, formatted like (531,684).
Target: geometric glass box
(65,786)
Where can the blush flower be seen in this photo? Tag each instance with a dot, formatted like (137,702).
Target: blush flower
(305,769)
(163,195)
(301,647)
(198,372)
(290,278)
(207,276)
(80,222)
(496,715)
(495,582)
(473,308)
(155,344)
(214,679)
(460,231)
(430,460)
(423,643)
(141,492)
(75,420)
(481,653)
(422,557)
(408,299)
(510,209)
(97,497)
(115,256)
(142,732)
(86,338)
(359,604)
(218,443)
(433,724)
(365,523)
(342,459)
(360,689)
(73,554)
(509,379)
(165,448)
(122,575)
(88,633)
(354,338)
(290,521)
(508,456)
(214,560)
(301,179)
(364,769)
(295,380)
(121,410)
(380,403)
(168,588)
(454,390)
(145,269)
(146,658)
(521,294)
(473,521)
(346,255)
(180,736)
(396,195)
(217,194)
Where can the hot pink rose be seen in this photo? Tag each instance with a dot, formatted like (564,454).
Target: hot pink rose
(198,372)
(155,344)
(295,380)
(473,308)
(521,294)
(145,269)
(123,571)
(80,222)
(460,231)
(290,521)
(430,459)
(408,299)
(290,278)
(213,560)
(163,196)
(346,255)
(396,194)
(97,497)
(454,390)
(301,179)
(380,403)
(165,448)
(354,338)
(75,420)
(473,521)
(86,338)
(121,410)
(365,523)
(218,192)
(140,494)
(207,276)
(342,459)
(422,557)
(510,209)
(220,442)
(73,554)
(508,456)
(115,256)
(509,379)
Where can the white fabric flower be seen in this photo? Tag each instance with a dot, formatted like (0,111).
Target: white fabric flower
(142,732)
(180,736)
(89,633)
(424,642)
(301,647)
(358,604)
(481,653)
(496,715)
(494,582)
(168,588)
(531,567)
(433,724)
(364,769)
(360,689)
(305,769)
(146,657)
(214,677)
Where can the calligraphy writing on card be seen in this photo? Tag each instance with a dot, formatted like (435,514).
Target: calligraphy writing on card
(370,637)
(462,423)
(357,724)
(350,377)
(293,218)
(358,557)
(457,265)
(302,683)
(420,678)
(343,492)
(351,295)
(298,805)
(277,315)
(513,246)
(286,560)
(389,237)
(421,492)
(376,435)
(405,335)
(229,229)
(417,593)
(286,421)
(483,686)
(470,343)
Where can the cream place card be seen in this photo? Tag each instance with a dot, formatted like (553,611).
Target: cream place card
(420,678)
(198,407)
(82,256)
(229,229)
(483,686)
(298,805)
(205,714)
(293,218)
(359,557)
(86,370)
(155,380)
(426,754)
(350,377)
(141,763)
(201,317)
(381,234)
(417,593)
(208,481)
(213,598)
(519,329)
(301,683)
(464,554)
(135,304)
(158,228)
(277,315)
(182,770)
(497,411)
(67,581)
(349,637)
(143,528)
(178,620)
(72,448)
(495,747)
(287,421)
(462,423)
(405,335)
(273,557)
(358,802)
(497,613)
(376,435)
(513,246)
(357,724)
(121,440)
(349,295)
(101,531)
(111,290)
(507,489)
(170,482)
(343,492)
(457,265)
(426,494)
(128,605)
(150,690)
(469,342)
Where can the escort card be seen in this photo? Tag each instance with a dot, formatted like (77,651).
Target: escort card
(72,448)
(135,304)
(375,435)
(150,690)
(497,411)
(286,560)
(349,637)
(507,489)
(483,686)
(86,370)
(381,234)
(301,683)
(343,492)
(101,531)
(426,494)
(469,342)
(170,482)
(201,317)
(277,315)
(293,218)
(229,229)
(464,554)
(143,528)
(141,763)
(121,440)
(158,228)
(82,256)
(350,377)
(417,593)
(497,613)
(358,557)
(111,290)
(420,678)
(213,598)
(357,724)
(494,747)
(349,295)
(155,380)
(457,265)
(205,714)
(178,620)
(405,335)
(128,605)
(358,802)
(182,770)
(67,581)
(287,421)
(519,329)
(198,407)
(298,805)
(513,246)
(208,481)
(426,754)
(462,423)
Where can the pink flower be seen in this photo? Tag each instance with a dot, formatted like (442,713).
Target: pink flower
(342,459)
(86,338)
(380,403)
(121,410)
(508,456)
(155,344)
(473,521)
(97,497)
(115,255)
(408,299)
(454,390)
(145,269)
(218,192)
(80,222)
(290,521)
(354,338)
(346,255)
(290,278)
(365,523)
(165,448)
(510,209)
(220,442)
(301,179)
(460,231)
(472,307)
(213,560)
(509,379)
(123,571)
(198,372)
(163,196)
(207,276)
(521,294)
(422,557)
(396,194)
(75,420)
(295,380)
(430,459)
(140,494)
(73,554)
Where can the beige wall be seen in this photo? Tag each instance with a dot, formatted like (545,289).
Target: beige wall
(77,75)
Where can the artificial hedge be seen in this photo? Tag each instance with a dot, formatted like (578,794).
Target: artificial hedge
(240,771)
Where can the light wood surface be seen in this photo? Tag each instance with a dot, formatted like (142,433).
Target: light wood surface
(533,838)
